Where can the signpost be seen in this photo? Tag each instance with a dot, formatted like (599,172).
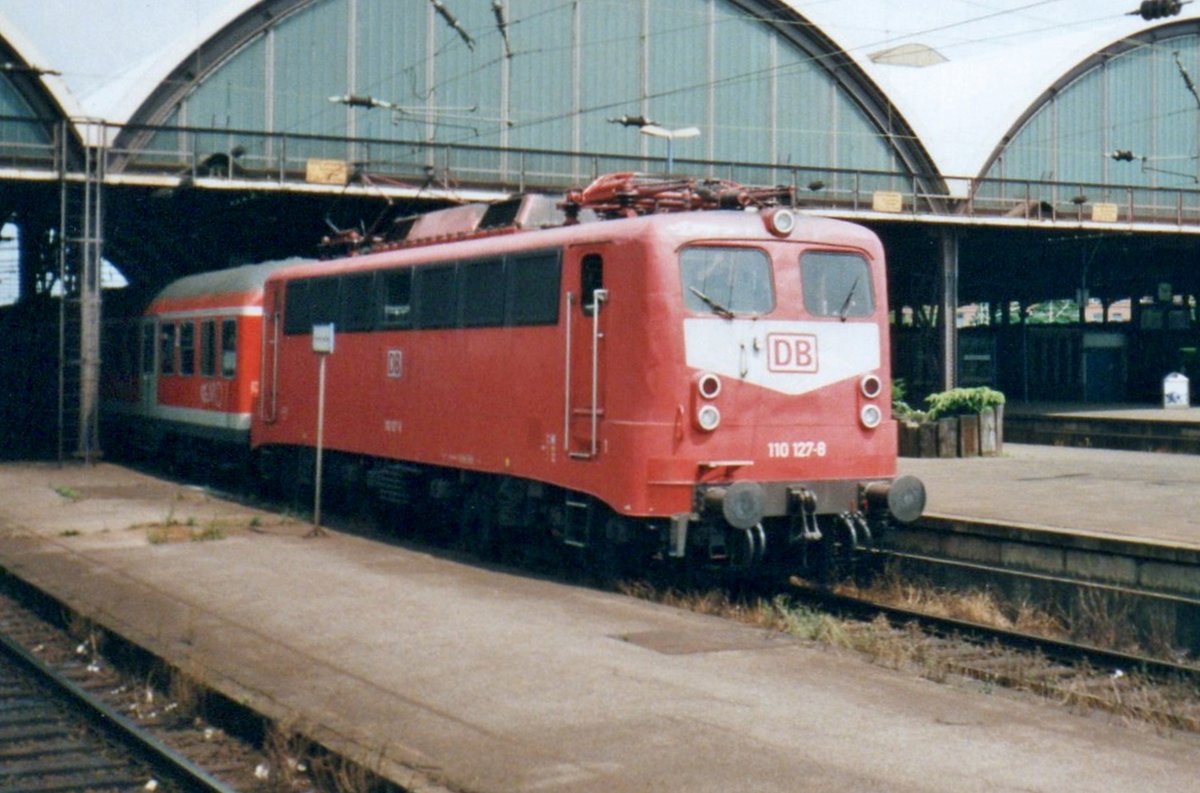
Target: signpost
(322,344)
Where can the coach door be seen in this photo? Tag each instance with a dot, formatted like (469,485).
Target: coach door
(271,334)
(148,367)
(585,370)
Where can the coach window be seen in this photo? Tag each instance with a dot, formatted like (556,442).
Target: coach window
(534,281)
(208,348)
(228,347)
(166,348)
(397,298)
(187,349)
(481,292)
(836,284)
(591,278)
(727,281)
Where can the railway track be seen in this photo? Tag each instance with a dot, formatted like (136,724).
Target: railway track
(1161,690)
(72,720)
(57,734)
(173,734)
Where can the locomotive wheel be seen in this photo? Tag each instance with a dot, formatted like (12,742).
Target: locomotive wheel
(477,525)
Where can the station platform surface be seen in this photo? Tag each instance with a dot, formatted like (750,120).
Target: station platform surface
(448,675)
(1135,496)
(1145,427)
(1125,412)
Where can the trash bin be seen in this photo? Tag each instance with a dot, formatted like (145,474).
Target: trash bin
(1175,391)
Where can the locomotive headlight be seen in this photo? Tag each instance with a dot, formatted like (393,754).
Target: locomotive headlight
(708,418)
(780,222)
(709,385)
(871,386)
(870,416)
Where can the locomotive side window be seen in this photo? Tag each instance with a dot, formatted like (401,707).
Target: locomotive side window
(311,301)
(397,298)
(437,298)
(324,301)
(727,281)
(591,278)
(836,284)
(357,303)
(228,347)
(534,281)
(166,348)
(481,290)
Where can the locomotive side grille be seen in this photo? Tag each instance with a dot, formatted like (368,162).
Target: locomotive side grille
(394,484)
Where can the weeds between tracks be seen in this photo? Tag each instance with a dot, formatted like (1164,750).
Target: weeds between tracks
(1170,704)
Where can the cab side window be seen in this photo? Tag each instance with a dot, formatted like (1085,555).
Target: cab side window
(591,278)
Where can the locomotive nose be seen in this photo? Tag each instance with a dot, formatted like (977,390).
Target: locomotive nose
(903,497)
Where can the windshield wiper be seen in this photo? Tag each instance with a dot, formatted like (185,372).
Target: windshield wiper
(849,299)
(714,305)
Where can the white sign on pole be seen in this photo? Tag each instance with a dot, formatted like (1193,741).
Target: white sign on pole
(322,344)
(322,339)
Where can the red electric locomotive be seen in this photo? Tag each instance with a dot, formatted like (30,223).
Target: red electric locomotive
(710,385)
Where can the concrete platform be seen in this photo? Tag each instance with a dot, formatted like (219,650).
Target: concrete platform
(454,677)
(1146,428)
(1133,496)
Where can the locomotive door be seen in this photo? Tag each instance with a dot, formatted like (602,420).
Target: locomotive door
(585,370)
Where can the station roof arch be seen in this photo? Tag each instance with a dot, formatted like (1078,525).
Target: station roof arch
(969,75)
(33,96)
(759,80)
(944,88)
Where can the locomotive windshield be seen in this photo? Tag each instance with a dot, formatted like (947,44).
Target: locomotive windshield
(836,285)
(726,281)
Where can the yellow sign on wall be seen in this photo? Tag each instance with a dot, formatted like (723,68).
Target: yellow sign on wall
(1106,213)
(887,201)
(326,171)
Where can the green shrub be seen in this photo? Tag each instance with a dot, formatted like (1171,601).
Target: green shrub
(900,408)
(962,402)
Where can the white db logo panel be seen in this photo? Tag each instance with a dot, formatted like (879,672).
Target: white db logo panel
(792,352)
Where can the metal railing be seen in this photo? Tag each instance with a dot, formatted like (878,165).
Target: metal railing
(187,154)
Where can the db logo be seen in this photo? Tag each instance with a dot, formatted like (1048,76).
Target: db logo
(395,364)
(792,352)
(210,393)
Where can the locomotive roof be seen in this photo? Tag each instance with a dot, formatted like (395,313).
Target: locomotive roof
(669,228)
(234,280)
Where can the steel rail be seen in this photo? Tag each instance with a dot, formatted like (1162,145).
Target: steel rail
(1056,649)
(1027,575)
(151,750)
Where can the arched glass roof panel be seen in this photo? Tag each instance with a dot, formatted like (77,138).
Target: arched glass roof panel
(21,123)
(541,75)
(1127,117)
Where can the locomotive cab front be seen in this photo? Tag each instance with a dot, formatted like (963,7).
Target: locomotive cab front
(784,394)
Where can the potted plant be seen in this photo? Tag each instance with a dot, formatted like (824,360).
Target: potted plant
(961,422)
